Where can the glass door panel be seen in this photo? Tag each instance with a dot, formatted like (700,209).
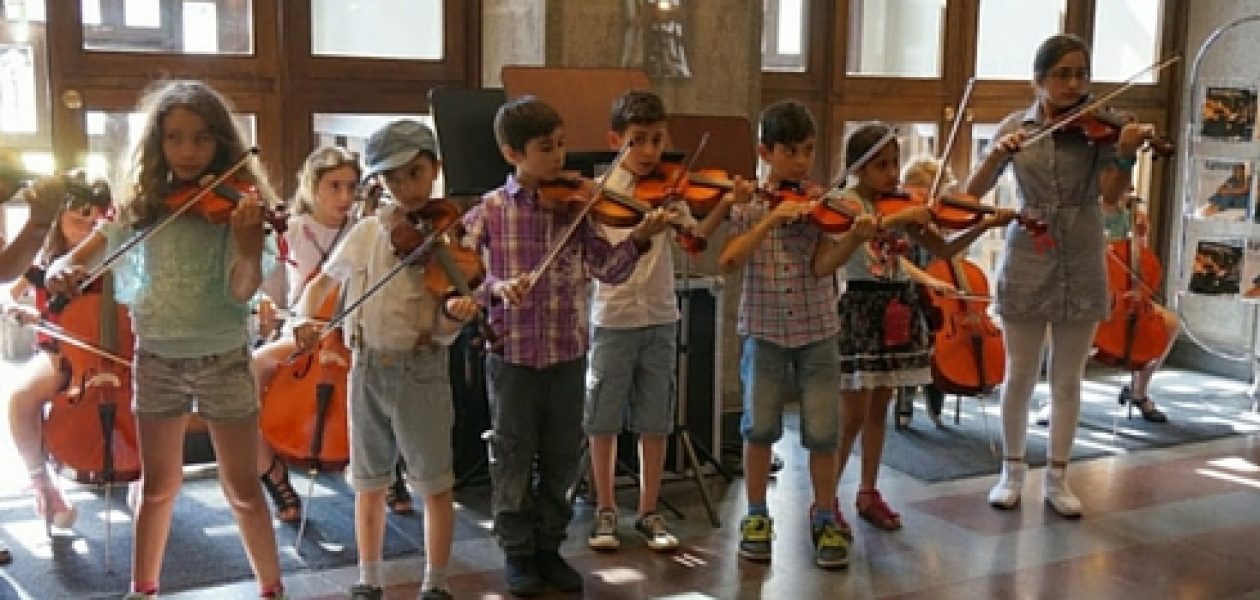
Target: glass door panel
(896,38)
(1009,33)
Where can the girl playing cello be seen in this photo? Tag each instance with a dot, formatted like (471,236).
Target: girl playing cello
(44,375)
(326,191)
(188,286)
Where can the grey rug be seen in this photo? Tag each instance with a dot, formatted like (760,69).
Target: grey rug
(1199,408)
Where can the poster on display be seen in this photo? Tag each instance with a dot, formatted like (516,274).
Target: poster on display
(1217,267)
(1251,272)
(1224,190)
(1229,112)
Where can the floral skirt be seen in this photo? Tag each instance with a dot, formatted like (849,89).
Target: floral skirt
(865,362)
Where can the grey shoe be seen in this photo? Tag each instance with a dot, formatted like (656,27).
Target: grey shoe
(656,533)
(604,531)
(363,591)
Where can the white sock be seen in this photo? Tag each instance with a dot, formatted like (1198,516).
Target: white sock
(434,577)
(370,572)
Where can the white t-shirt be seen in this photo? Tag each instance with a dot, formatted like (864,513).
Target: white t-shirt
(398,315)
(647,298)
(309,241)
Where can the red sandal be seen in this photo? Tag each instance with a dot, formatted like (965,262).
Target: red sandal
(877,512)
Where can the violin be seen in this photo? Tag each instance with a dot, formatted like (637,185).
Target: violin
(452,269)
(617,209)
(1103,126)
(216,203)
(831,214)
(1134,334)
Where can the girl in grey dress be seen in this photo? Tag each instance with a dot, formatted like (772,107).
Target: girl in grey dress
(1062,288)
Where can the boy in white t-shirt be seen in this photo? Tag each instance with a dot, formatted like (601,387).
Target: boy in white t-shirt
(400,393)
(633,343)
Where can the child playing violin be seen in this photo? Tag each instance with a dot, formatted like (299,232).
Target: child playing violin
(883,340)
(633,345)
(44,375)
(536,376)
(188,287)
(399,389)
(1063,290)
(788,322)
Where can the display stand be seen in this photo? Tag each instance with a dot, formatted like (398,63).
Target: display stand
(1197,144)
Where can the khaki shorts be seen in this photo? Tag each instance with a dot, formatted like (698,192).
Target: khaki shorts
(220,387)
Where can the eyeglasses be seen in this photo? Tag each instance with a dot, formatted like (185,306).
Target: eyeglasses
(1069,73)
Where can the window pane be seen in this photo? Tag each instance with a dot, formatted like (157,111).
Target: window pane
(18,95)
(377,29)
(24,10)
(900,38)
(351,131)
(1010,31)
(111,136)
(1126,32)
(179,26)
(784,36)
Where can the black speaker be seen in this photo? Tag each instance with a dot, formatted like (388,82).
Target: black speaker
(464,119)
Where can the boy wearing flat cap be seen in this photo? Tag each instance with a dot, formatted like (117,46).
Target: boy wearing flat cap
(400,393)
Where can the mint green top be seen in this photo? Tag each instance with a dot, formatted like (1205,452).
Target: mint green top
(1117,225)
(176,285)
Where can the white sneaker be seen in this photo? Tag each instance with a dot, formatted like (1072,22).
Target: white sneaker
(1059,496)
(604,531)
(1005,494)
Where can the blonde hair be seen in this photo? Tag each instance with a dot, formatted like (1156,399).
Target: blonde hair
(319,163)
(147,175)
(921,172)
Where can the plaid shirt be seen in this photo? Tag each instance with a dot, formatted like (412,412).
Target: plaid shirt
(782,302)
(513,234)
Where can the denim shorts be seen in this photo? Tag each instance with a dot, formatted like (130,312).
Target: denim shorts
(400,403)
(631,379)
(221,386)
(772,375)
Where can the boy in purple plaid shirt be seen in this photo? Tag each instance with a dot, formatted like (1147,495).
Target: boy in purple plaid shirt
(536,378)
(788,321)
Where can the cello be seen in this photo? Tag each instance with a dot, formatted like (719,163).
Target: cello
(303,414)
(90,431)
(1134,333)
(969,356)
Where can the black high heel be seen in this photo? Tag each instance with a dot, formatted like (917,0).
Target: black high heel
(1149,411)
(397,496)
(288,503)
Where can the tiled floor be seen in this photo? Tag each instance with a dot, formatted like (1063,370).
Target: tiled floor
(1182,522)
(1175,523)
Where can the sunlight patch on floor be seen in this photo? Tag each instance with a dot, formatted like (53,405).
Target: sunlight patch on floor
(1235,463)
(1230,477)
(620,575)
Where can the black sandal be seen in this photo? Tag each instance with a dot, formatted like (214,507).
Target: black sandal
(288,503)
(1149,411)
(397,496)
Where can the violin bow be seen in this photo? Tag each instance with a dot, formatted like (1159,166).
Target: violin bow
(843,177)
(551,255)
(1125,85)
(411,258)
(59,302)
(54,331)
(948,148)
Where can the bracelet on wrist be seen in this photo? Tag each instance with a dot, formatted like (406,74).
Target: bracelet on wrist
(1125,163)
